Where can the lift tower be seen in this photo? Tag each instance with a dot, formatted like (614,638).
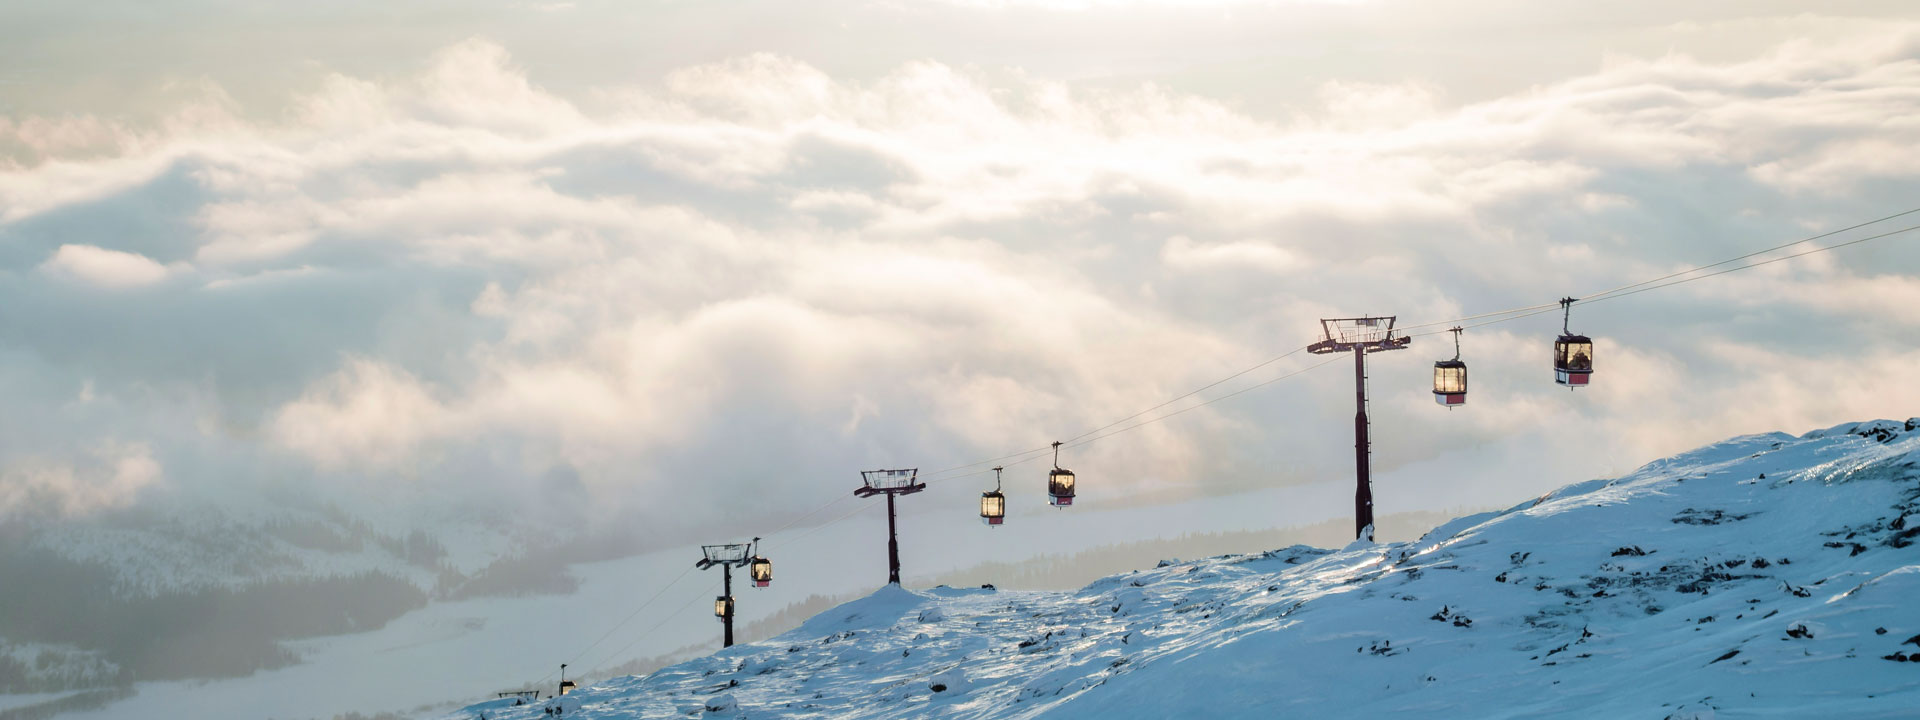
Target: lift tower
(728,557)
(1360,336)
(890,483)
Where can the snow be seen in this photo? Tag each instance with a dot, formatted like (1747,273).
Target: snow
(20,700)
(1766,575)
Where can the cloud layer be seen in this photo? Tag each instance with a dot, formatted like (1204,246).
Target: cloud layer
(738,285)
(112,477)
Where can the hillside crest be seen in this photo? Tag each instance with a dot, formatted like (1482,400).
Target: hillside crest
(1766,573)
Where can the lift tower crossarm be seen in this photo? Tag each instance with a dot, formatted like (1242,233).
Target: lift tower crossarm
(1360,335)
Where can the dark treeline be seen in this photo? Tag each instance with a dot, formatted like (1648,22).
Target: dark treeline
(352,536)
(124,635)
(200,633)
(544,570)
(541,572)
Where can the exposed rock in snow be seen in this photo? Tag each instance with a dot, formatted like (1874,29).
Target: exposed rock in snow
(722,703)
(948,680)
(1692,712)
(1765,575)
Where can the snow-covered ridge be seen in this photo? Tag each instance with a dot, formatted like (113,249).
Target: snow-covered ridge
(1765,574)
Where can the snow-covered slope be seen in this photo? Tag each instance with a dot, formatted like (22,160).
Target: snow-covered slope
(1763,576)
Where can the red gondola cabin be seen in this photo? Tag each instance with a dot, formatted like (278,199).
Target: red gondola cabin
(1060,487)
(761,570)
(1059,482)
(1572,360)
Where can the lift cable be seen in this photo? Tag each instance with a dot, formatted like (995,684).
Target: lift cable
(649,631)
(1089,438)
(1592,297)
(823,526)
(1821,236)
(1094,435)
(1456,321)
(1745,267)
(631,615)
(616,627)
(1208,386)
(1081,440)
(1641,287)
(944,471)
(1555,308)
(663,589)
(697,599)
(810,513)
(1070,442)
(1512,314)
(1085,439)
(1246,389)
(1500,315)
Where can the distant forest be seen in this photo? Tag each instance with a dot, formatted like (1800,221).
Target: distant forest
(207,632)
(69,625)
(72,625)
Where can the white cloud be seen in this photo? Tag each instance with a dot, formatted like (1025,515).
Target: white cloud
(1181,252)
(1084,5)
(112,476)
(755,268)
(1370,106)
(104,268)
(369,415)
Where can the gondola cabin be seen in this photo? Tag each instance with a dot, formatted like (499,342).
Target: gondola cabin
(1060,487)
(1450,382)
(1572,360)
(723,607)
(993,507)
(1450,376)
(761,570)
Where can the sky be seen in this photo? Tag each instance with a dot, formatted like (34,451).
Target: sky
(693,265)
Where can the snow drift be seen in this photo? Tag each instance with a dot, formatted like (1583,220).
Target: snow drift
(1764,575)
